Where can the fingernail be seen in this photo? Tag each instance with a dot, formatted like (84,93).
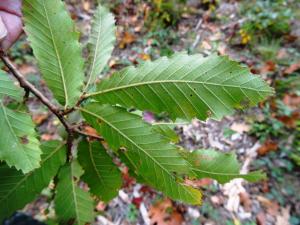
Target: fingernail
(3,30)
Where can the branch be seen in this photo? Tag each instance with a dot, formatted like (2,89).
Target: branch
(29,88)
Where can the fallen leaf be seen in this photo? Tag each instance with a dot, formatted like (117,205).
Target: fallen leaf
(240,127)
(101,206)
(292,101)
(292,68)
(199,183)
(27,69)
(47,137)
(137,201)
(86,5)
(269,66)
(126,39)
(267,147)
(246,201)
(261,219)
(284,217)
(164,213)
(272,207)
(290,121)
(89,130)
(40,118)
(144,57)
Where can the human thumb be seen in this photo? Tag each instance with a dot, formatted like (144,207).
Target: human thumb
(3,30)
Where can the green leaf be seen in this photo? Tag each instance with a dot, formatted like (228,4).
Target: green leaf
(153,158)
(185,86)
(17,189)
(19,146)
(8,88)
(167,131)
(220,166)
(71,202)
(101,42)
(100,173)
(55,44)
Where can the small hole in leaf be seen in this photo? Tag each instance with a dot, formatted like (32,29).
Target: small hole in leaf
(209,113)
(24,140)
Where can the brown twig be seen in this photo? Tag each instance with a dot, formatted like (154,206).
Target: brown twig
(59,113)
(30,88)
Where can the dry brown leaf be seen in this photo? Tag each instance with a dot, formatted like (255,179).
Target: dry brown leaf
(199,183)
(267,147)
(290,121)
(144,57)
(240,127)
(26,69)
(164,213)
(284,217)
(86,5)
(246,201)
(126,39)
(39,118)
(101,206)
(272,207)
(292,68)
(89,130)
(269,66)
(292,100)
(261,219)
(47,137)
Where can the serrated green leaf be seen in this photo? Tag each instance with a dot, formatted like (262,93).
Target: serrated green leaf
(167,131)
(71,202)
(19,146)
(100,173)
(55,44)
(101,42)
(153,158)
(8,88)
(220,166)
(17,189)
(185,86)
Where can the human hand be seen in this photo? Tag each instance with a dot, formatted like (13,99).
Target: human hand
(10,22)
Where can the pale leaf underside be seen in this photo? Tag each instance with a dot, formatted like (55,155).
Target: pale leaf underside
(71,202)
(8,88)
(220,166)
(19,146)
(185,86)
(18,189)
(153,158)
(100,173)
(55,44)
(101,42)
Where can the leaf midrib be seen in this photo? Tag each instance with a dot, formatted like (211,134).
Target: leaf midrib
(220,174)
(125,136)
(170,81)
(58,56)
(74,196)
(94,164)
(95,53)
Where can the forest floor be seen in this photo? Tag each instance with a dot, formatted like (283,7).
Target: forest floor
(264,138)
